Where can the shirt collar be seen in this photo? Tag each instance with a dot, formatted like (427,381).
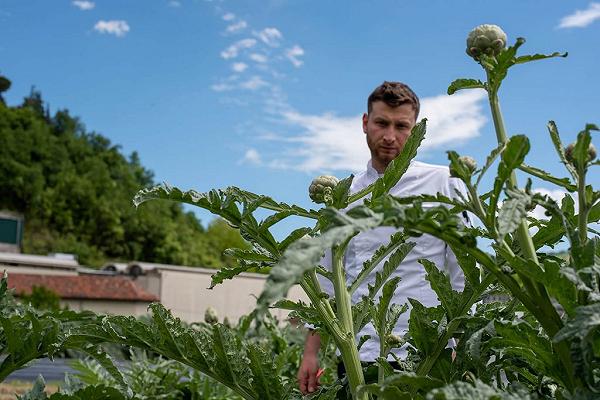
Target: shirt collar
(372,173)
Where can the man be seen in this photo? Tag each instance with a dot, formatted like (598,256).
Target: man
(393,109)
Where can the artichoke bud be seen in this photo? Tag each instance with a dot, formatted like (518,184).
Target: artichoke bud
(467,163)
(486,39)
(321,189)
(592,152)
(394,341)
(211,316)
(591,156)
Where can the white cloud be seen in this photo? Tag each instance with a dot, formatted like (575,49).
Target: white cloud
(118,28)
(259,58)
(328,142)
(254,83)
(239,66)
(556,194)
(228,17)
(236,27)
(251,157)
(174,3)
(222,87)
(452,119)
(84,4)
(269,36)
(581,18)
(233,50)
(293,54)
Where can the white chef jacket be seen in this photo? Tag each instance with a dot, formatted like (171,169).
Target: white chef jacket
(420,178)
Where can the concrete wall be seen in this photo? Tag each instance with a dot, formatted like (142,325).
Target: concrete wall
(187,295)
(135,308)
(13,269)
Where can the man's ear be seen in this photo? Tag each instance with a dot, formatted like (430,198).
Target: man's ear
(365,120)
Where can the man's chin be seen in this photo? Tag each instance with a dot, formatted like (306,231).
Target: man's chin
(387,157)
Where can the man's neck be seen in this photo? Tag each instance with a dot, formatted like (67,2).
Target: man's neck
(379,167)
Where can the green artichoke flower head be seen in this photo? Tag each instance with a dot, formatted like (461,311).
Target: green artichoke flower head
(486,39)
(211,316)
(321,189)
(591,156)
(467,164)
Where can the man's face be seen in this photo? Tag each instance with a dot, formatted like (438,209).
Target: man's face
(387,129)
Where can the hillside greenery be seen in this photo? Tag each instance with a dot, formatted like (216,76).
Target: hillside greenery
(75,188)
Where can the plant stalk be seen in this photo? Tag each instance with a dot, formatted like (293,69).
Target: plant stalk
(550,319)
(348,346)
(583,209)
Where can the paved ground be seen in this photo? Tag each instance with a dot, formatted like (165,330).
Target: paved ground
(52,371)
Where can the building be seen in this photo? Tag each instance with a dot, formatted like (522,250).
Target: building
(185,290)
(128,288)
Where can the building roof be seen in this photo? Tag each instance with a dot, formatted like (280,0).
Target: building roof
(89,287)
(57,262)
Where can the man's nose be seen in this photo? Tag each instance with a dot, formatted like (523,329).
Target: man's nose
(389,134)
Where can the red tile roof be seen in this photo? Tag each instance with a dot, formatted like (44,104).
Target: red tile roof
(82,287)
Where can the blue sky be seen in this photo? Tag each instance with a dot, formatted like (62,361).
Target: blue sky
(265,95)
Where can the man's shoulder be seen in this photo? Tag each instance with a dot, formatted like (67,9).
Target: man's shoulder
(419,168)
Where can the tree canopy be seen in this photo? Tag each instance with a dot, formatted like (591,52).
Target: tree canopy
(75,189)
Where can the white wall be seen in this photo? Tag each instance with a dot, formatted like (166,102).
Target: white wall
(187,295)
(135,308)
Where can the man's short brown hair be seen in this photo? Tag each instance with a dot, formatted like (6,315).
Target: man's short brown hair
(394,94)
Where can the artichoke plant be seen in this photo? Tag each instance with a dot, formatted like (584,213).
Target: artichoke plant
(321,189)
(486,39)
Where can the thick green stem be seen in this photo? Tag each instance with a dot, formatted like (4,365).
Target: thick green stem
(523,236)
(348,346)
(548,316)
(583,209)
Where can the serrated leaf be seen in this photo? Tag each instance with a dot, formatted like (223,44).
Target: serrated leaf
(522,340)
(535,57)
(512,157)
(398,166)
(478,390)
(106,362)
(458,167)
(560,149)
(226,273)
(380,316)
(423,326)
(392,263)
(292,237)
(539,173)
(460,84)
(512,212)
(213,201)
(341,192)
(363,339)
(438,198)
(474,342)
(380,254)
(263,373)
(440,284)
(37,392)
(468,265)
(489,161)
(95,392)
(306,253)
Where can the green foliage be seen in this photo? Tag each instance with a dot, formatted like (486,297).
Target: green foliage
(542,340)
(75,188)
(42,298)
